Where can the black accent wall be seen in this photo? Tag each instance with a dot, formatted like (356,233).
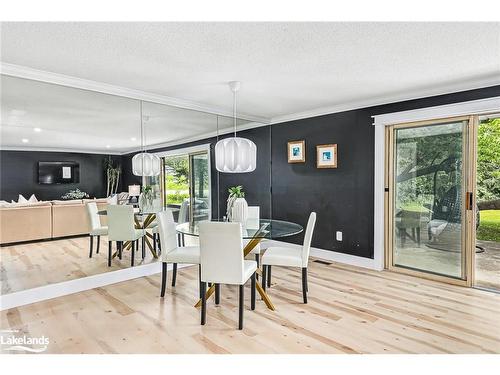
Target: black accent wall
(19,174)
(342,197)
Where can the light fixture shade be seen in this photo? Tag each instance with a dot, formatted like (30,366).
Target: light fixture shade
(144,164)
(235,155)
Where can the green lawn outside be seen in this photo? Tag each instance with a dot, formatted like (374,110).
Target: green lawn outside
(489,227)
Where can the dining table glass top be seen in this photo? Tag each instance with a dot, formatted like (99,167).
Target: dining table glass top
(261,228)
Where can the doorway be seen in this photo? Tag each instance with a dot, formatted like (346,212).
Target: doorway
(443,200)
(487,252)
(187,184)
(428,184)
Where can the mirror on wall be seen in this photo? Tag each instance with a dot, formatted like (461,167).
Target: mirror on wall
(60,150)
(64,150)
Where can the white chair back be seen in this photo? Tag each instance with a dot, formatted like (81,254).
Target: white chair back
(166,230)
(184,212)
(253,217)
(306,248)
(121,225)
(221,252)
(94,221)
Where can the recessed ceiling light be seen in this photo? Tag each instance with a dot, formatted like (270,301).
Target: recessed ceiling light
(38,130)
(133,139)
(25,140)
(108,146)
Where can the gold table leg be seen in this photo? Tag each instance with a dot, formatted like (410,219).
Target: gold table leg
(144,225)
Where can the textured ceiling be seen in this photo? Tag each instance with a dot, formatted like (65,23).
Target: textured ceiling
(285,67)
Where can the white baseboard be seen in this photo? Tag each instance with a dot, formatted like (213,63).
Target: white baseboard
(334,256)
(26,297)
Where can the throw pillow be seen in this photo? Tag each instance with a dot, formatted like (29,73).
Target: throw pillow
(32,199)
(113,199)
(21,199)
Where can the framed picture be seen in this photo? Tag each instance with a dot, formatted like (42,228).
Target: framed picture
(326,156)
(297,152)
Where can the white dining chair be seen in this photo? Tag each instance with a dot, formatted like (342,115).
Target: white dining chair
(170,252)
(290,257)
(95,227)
(121,228)
(222,262)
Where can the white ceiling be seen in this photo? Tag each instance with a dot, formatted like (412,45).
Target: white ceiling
(285,68)
(82,120)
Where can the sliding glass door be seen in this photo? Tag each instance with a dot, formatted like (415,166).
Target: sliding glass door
(199,186)
(186,181)
(428,195)
(487,244)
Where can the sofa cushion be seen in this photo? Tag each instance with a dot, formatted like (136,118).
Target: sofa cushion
(25,222)
(96,200)
(71,201)
(27,204)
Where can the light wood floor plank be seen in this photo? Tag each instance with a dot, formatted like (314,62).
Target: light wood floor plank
(350,310)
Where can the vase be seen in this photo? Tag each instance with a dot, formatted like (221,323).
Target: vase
(239,211)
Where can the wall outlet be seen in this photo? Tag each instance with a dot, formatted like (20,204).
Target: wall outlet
(339,236)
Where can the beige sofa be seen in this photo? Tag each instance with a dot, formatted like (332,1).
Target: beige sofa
(44,220)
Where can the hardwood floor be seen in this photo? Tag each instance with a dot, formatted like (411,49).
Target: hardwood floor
(34,264)
(350,310)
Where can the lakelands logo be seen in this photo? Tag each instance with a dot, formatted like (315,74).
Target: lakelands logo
(15,340)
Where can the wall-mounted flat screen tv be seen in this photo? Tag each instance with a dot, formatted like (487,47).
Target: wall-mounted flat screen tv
(58,172)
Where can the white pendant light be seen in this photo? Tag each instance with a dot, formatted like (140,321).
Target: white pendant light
(145,164)
(235,154)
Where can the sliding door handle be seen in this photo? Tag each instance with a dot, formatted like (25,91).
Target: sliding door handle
(468,200)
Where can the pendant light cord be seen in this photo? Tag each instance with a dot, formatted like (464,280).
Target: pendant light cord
(234,112)
(142,131)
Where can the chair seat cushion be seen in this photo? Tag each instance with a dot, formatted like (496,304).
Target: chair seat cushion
(102,231)
(138,234)
(186,254)
(249,267)
(283,256)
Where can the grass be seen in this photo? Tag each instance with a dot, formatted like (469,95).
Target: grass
(489,227)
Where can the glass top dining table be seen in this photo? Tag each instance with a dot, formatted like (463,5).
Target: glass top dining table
(253,228)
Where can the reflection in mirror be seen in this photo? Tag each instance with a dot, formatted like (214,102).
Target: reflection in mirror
(182,139)
(68,189)
(61,169)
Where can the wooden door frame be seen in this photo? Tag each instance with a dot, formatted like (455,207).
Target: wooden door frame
(468,224)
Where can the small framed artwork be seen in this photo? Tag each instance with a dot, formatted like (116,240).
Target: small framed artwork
(297,152)
(326,156)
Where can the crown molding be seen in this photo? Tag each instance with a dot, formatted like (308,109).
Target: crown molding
(493,80)
(199,137)
(80,83)
(57,149)
(256,121)
(473,107)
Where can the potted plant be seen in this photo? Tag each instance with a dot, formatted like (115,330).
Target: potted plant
(237,206)
(147,196)
(113,171)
